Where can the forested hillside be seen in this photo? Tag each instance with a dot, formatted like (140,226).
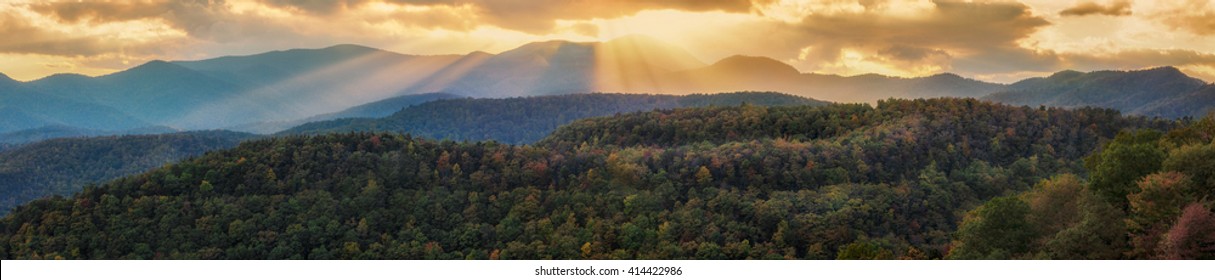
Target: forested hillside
(1148,196)
(528,119)
(58,131)
(837,181)
(64,166)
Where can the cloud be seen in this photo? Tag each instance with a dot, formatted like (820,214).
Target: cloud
(975,37)
(1194,16)
(893,37)
(1139,58)
(38,40)
(74,12)
(536,16)
(540,16)
(197,18)
(1117,8)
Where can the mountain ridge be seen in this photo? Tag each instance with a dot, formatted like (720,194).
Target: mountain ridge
(287,85)
(1128,91)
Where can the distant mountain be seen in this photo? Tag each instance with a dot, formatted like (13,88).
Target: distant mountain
(59,131)
(274,90)
(65,166)
(384,108)
(376,109)
(23,107)
(156,92)
(1163,91)
(1194,104)
(562,67)
(734,73)
(526,120)
(229,91)
(296,84)
(762,73)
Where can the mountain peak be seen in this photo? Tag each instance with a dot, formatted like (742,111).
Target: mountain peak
(1065,74)
(63,78)
(1165,70)
(351,48)
(156,66)
(946,75)
(757,64)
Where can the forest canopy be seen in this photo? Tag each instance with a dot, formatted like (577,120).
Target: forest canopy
(907,179)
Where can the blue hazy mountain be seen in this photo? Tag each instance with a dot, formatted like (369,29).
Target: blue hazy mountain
(523,120)
(229,91)
(766,74)
(62,131)
(22,107)
(1162,91)
(376,109)
(275,90)
(562,67)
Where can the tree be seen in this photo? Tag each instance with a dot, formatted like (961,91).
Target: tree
(704,177)
(999,229)
(864,250)
(1160,199)
(1196,162)
(1131,155)
(1100,234)
(1192,237)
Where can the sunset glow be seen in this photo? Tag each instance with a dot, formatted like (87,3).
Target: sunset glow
(998,41)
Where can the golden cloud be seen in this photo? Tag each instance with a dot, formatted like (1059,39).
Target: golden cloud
(537,16)
(894,37)
(975,37)
(1194,16)
(1117,8)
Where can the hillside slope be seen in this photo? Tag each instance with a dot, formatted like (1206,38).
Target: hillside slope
(525,120)
(793,182)
(65,166)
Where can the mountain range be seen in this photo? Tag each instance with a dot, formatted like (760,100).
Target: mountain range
(269,92)
(523,120)
(1163,92)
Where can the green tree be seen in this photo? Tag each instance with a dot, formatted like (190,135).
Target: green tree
(999,229)
(1131,155)
(864,250)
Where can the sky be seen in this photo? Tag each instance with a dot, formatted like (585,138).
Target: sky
(999,41)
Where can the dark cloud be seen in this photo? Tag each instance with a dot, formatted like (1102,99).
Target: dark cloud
(209,20)
(323,7)
(964,31)
(24,38)
(910,53)
(100,11)
(1194,16)
(1117,8)
(537,16)
(213,19)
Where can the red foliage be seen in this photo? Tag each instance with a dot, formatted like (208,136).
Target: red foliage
(1192,237)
